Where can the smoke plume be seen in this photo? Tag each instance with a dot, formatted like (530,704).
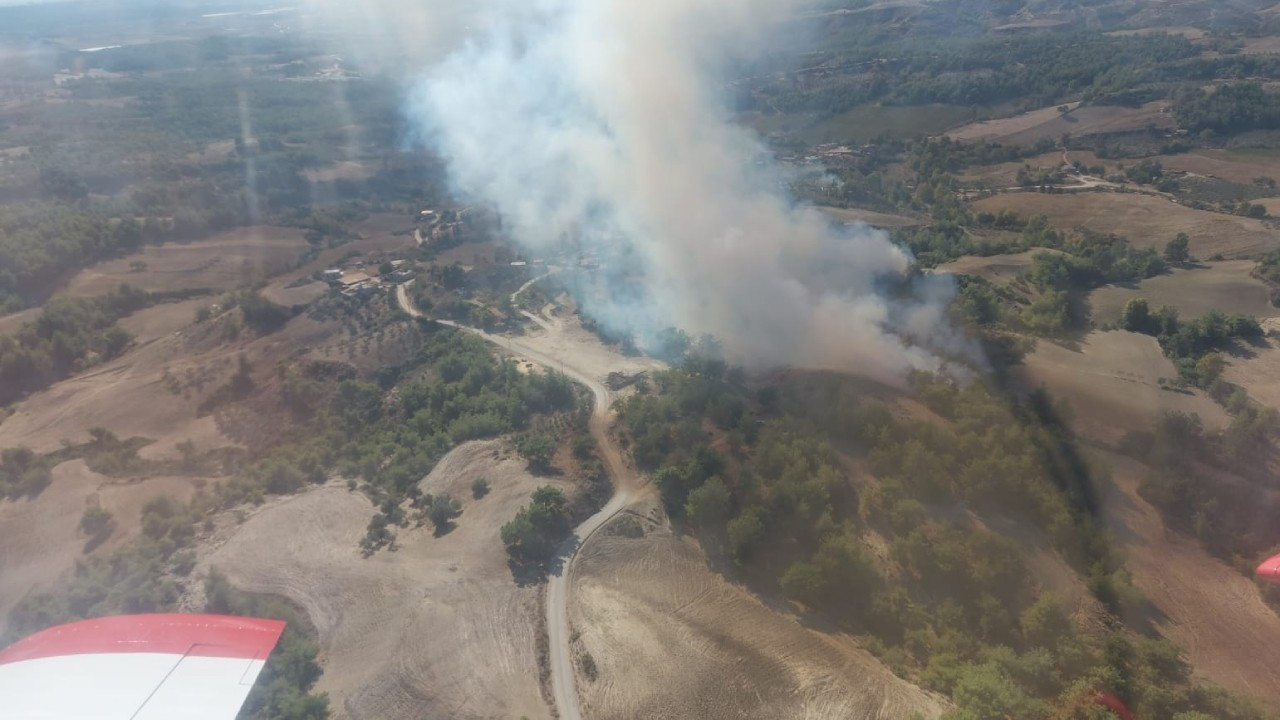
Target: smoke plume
(605,121)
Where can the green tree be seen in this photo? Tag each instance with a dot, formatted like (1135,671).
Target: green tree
(479,488)
(444,508)
(1209,368)
(709,505)
(538,449)
(97,523)
(533,534)
(1137,316)
(1045,622)
(1178,249)
(985,692)
(745,532)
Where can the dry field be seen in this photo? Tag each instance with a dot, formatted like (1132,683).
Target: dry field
(1258,371)
(1048,123)
(437,628)
(214,152)
(998,269)
(673,639)
(41,536)
(126,396)
(13,322)
(1145,220)
(1005,175)
(133,395)
(285,292)
(1262,46)
(1111,384)
(1230,636)
(343,170)
(870,217)
(165,319)
(1227,286)
(224,261)
(1238,166)
(1191,33)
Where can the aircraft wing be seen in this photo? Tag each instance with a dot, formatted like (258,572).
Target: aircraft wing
(1269,570)
(136,667)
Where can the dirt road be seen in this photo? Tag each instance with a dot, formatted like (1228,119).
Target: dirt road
(626,489)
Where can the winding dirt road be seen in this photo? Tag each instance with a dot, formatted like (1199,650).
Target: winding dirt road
(626,489)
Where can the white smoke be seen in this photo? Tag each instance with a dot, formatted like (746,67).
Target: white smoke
(603,120)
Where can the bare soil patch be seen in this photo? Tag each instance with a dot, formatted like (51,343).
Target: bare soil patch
(673,639)
(224,261)
(437,628)
(1228,286)
(40,539)
(1111,384)
(1049,123)
(1230,636)
(1145,220)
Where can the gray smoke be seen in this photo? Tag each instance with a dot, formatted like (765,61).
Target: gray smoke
(604,121)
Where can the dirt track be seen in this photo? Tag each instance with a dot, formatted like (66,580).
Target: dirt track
(437,628)
(673,639)
(588,362)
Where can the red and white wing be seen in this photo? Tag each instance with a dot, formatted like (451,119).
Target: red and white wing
(136,667)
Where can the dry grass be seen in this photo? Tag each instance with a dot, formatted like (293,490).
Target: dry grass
(40,539)
(158,321)
(224,261)
(870,217)
(673,639)
(1048,123)
(1238,166)
(1005,175)
(127,396)
(342,170)
(1146,220)
(1190,33)
(1262,46)
(1216,614)
(999,269)
(214,152)
(437,628)
(1111,384)
(1227,286)
(13,322)
(1258,370)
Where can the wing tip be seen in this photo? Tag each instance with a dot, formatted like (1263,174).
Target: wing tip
(170,633)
